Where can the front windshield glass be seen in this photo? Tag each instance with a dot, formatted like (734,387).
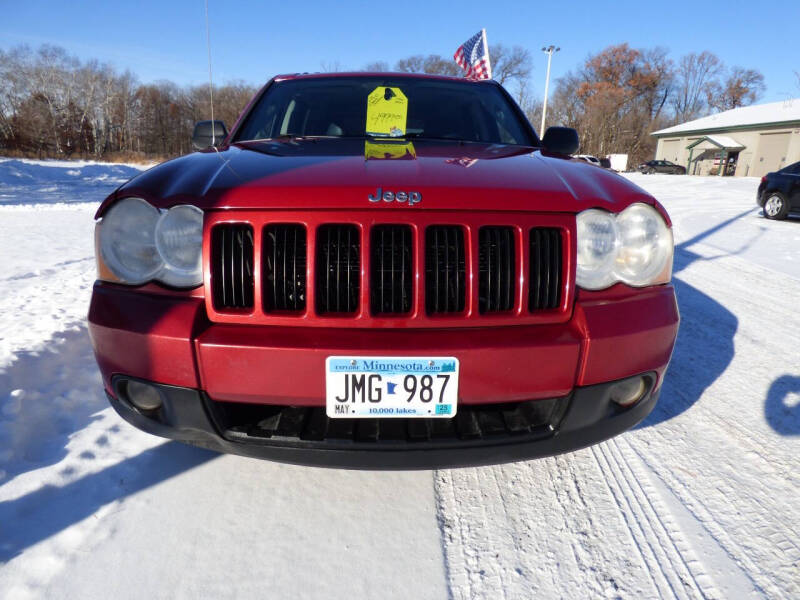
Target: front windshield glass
(337,107)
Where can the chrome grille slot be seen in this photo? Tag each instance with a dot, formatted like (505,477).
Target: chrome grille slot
(232,266)
(391,269)
(496,269)
(445,269)
(545,269)
(284,260)
(338,269)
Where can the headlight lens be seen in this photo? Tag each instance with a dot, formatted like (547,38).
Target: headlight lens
(138,243)
(597,249)
(645,247)
(179,240)
(127,241)
(634,247)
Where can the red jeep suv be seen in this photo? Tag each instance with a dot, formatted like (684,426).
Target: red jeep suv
(383,271)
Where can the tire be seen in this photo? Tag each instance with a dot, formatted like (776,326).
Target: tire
(650,171)
(775,206)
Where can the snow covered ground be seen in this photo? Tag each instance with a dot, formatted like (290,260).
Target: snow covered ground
(59,181)
(700,501)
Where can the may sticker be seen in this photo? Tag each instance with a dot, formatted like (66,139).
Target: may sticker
(387,108)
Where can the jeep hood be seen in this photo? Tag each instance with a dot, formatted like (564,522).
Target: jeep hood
(342,173)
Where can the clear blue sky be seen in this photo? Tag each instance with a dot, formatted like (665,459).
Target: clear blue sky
(253,40)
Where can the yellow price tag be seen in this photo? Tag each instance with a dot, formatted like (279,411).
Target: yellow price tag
(389,150)
(387,109)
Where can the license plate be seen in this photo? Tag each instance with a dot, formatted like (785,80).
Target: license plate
(386,387)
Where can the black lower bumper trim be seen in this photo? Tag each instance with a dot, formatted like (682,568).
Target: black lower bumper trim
(482,435)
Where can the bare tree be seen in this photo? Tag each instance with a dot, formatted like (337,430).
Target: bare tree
(432,64)
(694,76)
(741,87)
(615,99)
(510,64)
(332,66)
(379,66)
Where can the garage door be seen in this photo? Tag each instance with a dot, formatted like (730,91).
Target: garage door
(772,149)
(670,150)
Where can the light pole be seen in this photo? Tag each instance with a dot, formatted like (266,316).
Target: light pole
(549,51)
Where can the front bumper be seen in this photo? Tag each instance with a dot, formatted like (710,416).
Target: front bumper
(479,435)
(204,367)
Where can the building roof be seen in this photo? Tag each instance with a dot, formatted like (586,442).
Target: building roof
(721,141)
(759,114)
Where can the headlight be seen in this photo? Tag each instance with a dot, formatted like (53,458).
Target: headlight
(597,249)
(127,241)
(179,240)
(645,246)
(634,247)
(138,243)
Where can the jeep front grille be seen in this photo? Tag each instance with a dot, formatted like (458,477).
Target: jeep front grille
(439,269)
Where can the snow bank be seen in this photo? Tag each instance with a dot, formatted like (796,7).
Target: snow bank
(46,182)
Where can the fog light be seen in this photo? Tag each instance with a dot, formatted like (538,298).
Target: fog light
(628,391)
(143,396)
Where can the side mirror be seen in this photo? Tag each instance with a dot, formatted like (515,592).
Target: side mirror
(561,140)
(202,136)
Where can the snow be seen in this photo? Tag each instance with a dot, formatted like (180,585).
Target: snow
(758,114)
(58,181)
(723,141)
(698,501)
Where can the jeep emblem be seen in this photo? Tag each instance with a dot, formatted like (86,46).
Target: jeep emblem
(411,197)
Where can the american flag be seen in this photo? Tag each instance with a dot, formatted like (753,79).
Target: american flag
(473,57)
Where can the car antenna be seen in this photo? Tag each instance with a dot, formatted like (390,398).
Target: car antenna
(210,82)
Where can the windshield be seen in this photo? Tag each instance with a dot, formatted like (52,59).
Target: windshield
(337,107)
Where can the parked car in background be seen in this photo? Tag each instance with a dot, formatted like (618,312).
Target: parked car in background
(661,166)
(592,160)
(779,192)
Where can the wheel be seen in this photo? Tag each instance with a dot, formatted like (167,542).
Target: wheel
(649,171)
(775,206)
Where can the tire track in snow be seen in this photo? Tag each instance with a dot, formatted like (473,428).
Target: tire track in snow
(724,463)
(703,540)
(546,529)
(671,575)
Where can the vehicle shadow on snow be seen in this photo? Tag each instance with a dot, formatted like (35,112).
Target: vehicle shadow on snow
(704,347)
(48,510)
(45,397)
(782,408)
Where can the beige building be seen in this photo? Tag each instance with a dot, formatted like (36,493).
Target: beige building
(749,141)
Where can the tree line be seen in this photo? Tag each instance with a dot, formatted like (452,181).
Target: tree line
(54,105)
(619,95)
(622,94)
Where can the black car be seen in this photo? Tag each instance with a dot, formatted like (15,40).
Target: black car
(661,166)
(779,192)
